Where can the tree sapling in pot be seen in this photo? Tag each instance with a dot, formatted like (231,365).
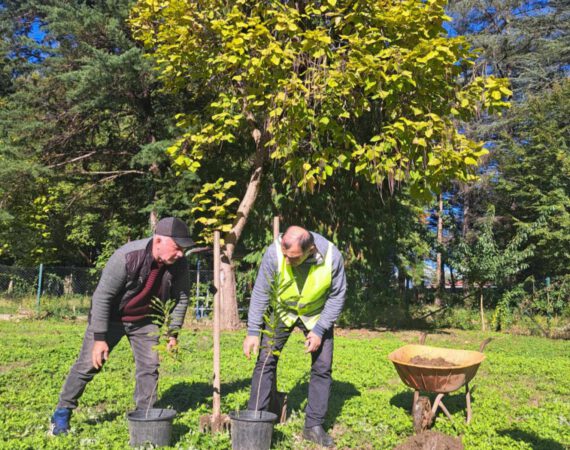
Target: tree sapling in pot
(154,425)
(252,429)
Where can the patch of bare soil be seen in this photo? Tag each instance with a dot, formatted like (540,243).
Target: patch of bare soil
(14,365)
(12,316)
(431,440)
(430,362)
(363,333)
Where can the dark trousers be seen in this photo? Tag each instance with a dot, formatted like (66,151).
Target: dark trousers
(319,384)
(142,337)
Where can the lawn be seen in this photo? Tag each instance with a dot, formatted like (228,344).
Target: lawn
(522,397)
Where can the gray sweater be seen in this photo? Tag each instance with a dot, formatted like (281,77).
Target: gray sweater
(117,284)
(267,271)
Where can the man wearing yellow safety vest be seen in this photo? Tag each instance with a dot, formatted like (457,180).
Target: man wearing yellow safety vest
(319,290)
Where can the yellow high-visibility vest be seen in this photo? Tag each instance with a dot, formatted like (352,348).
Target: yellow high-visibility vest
(309,303)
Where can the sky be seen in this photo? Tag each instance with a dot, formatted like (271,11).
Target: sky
(37,34)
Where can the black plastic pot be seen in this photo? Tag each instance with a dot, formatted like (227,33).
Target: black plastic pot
(151,427)
(252,430)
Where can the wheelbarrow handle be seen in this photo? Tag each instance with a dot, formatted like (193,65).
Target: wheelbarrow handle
(484,344)
(422,338)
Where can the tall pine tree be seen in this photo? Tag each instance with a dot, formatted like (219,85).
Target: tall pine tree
(528,42)
(82,133)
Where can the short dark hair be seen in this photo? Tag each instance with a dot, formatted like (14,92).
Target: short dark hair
(305,240)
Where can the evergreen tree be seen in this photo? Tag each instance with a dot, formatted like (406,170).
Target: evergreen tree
(533,179)
(83,133)
(527,41)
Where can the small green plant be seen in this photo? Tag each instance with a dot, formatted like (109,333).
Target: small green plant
(272,317)
(502,317)
(162,317)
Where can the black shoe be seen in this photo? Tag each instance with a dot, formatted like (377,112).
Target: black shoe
(318,435)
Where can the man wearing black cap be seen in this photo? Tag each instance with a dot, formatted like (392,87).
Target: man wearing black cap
(135,273)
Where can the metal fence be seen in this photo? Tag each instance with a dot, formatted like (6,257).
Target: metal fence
(68,290)
(203,281)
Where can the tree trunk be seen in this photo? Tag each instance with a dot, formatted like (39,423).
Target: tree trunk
(230,317)
(481,308)
(68,284)
(464,230)
(439,270)
(452,279)
(153,220)
(229,308)
(402,283)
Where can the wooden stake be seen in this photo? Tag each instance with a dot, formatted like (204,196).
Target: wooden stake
(216,422)
(217,285)
(275,227)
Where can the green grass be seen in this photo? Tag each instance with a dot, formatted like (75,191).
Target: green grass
(60,306)
(522,399)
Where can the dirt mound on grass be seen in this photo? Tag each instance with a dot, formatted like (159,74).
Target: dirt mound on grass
(431,440)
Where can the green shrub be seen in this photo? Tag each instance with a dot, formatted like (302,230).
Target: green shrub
(460,318)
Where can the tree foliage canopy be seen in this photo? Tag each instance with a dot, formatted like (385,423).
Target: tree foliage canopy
(368,87)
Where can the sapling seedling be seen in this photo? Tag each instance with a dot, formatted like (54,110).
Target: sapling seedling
(276,308)
(162,318)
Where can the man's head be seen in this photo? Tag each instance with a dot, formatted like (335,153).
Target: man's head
(171,239)
(297,244)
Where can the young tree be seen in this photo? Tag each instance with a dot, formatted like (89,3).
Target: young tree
(317,88)
(486,264)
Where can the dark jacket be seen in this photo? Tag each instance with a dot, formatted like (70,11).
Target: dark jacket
(125,275)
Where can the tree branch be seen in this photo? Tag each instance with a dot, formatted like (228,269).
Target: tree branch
(87,155)
(111,172)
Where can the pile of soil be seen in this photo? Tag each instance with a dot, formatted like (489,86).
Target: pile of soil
(436,362)
(431,440)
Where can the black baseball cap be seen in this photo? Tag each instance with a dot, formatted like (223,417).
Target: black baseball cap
(176,229)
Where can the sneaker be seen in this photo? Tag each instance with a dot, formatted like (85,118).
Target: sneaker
(60,421)
(318,435)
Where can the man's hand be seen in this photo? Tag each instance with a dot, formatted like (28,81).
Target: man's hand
(250,346)
(99,354)
(312,342)
(172,343)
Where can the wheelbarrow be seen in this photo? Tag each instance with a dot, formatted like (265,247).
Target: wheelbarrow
(435,370)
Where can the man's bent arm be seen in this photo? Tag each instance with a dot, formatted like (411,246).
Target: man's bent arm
(336,296)
(112,281)
(260,295)
(181,293)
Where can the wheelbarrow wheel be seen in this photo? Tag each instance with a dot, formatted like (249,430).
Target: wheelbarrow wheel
(421,414)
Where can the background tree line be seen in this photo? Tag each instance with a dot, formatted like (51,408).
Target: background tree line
(93,145)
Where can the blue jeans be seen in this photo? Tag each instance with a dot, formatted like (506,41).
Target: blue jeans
(142,336)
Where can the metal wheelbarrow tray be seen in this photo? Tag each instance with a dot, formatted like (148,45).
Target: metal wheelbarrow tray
(435,370)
